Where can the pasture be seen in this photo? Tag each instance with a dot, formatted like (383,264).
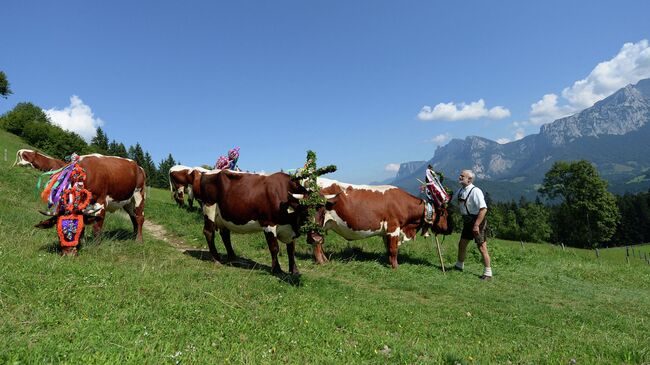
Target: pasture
(124,302)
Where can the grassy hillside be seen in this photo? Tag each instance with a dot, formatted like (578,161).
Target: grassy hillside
(124,302)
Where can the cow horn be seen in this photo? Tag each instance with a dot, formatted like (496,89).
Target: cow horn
(298,196)
(49,214)
(330,196)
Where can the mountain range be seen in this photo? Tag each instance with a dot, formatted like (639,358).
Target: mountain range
(613,135)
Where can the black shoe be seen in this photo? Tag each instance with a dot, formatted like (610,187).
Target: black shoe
(485,278)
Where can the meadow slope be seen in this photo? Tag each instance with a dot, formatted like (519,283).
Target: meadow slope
(124,302)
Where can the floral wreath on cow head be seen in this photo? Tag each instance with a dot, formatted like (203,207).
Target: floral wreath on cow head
(307,177)
(66,198)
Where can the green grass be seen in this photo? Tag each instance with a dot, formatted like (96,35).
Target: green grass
(124,302)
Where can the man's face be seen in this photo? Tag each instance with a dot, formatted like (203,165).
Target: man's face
(464,179)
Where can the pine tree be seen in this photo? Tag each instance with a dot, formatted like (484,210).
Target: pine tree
(137,154)
(150,169)
(120,150)
(163,171)
(100,142)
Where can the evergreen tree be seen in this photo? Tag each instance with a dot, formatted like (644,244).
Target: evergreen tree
(137,154)
(99,143)
(120,150)
(163,171)
(150,169)
(587,215)
(534,225)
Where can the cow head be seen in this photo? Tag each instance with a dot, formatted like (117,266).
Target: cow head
(25,158)
(442,222)
(70,229)
(300,193)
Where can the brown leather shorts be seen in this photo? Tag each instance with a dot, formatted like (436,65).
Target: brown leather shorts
(468,229)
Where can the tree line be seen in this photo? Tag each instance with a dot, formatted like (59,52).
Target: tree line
(32,124)
(578,211)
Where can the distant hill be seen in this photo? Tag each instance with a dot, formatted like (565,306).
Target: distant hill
(613,134)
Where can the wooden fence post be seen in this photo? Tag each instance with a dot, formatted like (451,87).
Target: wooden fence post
(597,254)
(522,243)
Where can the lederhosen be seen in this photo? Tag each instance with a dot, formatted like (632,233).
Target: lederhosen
(469,220)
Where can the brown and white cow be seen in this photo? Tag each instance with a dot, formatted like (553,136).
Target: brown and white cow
(181,179)
(115,183)
(242,202)
(37,160)
(362,211)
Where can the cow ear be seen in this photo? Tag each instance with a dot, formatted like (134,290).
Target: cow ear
(48,223)
(331,200)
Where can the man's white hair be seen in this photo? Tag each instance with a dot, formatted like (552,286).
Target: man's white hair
(470,173)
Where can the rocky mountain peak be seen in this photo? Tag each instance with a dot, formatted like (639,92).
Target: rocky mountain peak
(625,111)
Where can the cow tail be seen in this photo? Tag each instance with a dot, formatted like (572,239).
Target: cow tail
(169,178)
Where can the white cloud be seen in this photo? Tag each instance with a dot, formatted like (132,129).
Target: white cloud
(631,64)
(503,140)
(519,134)
(462,111)
(392,167)
(547,110)
(441,138)
(78,118)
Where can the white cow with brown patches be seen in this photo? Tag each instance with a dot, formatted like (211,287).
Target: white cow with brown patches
(362,211)
(115,183)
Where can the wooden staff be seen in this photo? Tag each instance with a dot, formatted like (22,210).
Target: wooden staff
(442,264)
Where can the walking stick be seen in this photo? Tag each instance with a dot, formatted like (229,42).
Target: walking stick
(442,264)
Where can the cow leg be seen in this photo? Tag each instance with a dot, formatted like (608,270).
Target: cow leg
(272,241)
(190,198)
(291,252)
(135,209)
(99,223)
(392,249)
(225,238)
(208,231)
(178,197)
(319,256)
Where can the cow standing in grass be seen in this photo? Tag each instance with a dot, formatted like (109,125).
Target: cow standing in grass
(115,183)
(362,211)
(248,203)
(180,182)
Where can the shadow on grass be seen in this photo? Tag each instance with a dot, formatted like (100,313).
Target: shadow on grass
(248,264)
(357,254)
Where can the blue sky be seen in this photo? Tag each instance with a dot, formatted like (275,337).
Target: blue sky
(365,84)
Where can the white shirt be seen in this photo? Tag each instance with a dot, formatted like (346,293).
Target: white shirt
(475,201)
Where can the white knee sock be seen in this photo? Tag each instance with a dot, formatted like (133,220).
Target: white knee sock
(488,271)
(460,265)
